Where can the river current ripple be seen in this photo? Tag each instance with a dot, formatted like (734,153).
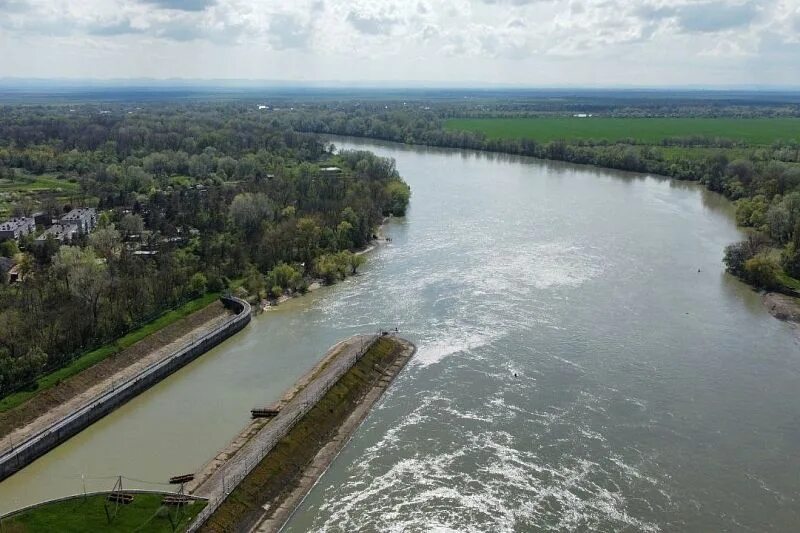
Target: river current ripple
(584,363)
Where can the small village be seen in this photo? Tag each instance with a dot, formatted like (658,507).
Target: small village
(79,221)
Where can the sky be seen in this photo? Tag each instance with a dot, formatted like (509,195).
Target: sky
(535,43)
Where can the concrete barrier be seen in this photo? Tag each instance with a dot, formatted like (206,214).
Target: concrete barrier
(37,445)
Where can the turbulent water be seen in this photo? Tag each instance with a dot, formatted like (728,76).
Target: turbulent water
(584,364)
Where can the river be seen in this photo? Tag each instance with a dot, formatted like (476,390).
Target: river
(584,363)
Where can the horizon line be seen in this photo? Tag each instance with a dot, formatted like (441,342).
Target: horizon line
(256,83)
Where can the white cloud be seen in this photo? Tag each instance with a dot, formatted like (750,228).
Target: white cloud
(533,42)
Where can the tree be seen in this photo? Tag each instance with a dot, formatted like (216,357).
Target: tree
(355,261)
(131,224)
(9,248)
(198,283)
(307,239)
(399,194)
(343,234)
(248,210)
(106,242)
(737,254)
(763,271)
(84,277)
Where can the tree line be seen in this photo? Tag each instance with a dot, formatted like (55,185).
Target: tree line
(764,181)
(191,197)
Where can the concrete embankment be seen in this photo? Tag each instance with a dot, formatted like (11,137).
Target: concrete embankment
(274,467)
(36,445)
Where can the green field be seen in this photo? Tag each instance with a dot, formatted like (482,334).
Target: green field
(92,358)
(38,183)
(759,131)
(88,515)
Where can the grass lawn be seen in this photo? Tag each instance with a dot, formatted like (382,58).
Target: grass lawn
(789,282)
(87,515)
(90,358)
(37,183)
(759,131)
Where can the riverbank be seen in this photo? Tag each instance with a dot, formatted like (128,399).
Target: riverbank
(168,322)
(316,284)
(62,423)
(46,406)
(782,306)
(275,468)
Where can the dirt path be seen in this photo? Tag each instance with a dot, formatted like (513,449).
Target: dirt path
(55,403)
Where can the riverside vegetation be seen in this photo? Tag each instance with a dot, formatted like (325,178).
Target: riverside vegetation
(746,147)
(190,196)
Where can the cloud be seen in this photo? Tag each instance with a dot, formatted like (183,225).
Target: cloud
(675,41)
(371,24)
(14,6)
(107,30)
(288,31)
(181,5)
(705,17)
(512,2)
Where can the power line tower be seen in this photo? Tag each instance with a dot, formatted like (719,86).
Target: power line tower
(117,497)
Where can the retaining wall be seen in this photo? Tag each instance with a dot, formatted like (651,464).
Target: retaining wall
(37,445)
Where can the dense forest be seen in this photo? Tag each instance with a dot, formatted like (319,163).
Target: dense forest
(764,180)
(190,197)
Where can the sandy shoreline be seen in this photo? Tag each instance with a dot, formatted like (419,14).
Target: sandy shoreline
(782,306)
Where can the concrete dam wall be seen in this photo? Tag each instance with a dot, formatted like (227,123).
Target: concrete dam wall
(37,445)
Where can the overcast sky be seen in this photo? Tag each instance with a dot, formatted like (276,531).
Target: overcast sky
(527,42)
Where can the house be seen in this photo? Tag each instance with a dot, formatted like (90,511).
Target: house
(85,218)
(330,171)
(15,228)
(43,219)
(60,232)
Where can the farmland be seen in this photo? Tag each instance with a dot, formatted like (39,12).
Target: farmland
(753,131)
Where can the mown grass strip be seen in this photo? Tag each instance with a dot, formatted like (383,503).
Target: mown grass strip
(95,356)
(38,183)
(85,515)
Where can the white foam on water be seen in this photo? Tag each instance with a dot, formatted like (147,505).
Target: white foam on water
(508,488)
(457,342)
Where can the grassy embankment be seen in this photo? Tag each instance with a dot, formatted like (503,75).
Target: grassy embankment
(88,515)
(95,356)
(756,131)
(280,471)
